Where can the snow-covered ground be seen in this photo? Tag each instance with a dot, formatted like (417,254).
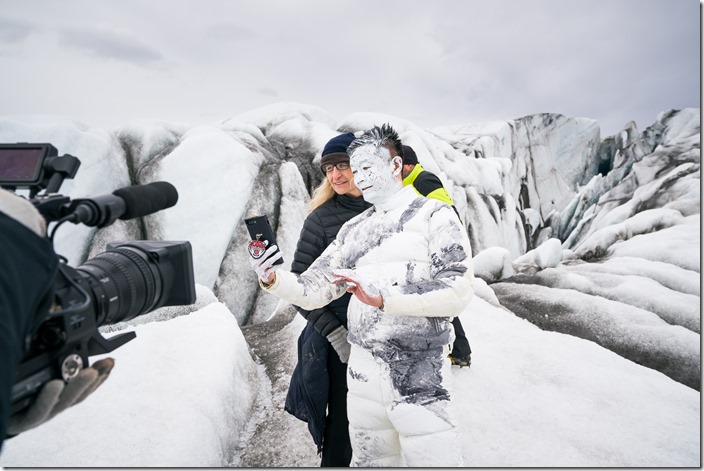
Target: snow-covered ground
(182,391)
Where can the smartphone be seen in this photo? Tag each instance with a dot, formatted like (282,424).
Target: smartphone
(260,230)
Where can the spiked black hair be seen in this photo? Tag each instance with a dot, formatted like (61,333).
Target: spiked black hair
(384,136)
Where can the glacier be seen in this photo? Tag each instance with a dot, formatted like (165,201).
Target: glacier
(596,238)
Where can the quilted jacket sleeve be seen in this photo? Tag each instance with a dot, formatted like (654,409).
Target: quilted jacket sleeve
(313,288)
(450,288)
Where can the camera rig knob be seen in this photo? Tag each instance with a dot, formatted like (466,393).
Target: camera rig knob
(71,366)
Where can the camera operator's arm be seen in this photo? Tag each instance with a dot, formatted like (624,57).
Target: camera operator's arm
(28,267)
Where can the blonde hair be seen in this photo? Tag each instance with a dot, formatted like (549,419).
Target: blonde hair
(321,194)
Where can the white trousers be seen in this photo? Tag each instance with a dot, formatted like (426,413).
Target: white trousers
(400,413)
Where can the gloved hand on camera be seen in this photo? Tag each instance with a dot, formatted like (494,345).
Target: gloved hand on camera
(338,340)
(57,395)
(262,260)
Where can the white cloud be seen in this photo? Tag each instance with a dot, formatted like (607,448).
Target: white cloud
(433,63)
(12,31)
(110,43)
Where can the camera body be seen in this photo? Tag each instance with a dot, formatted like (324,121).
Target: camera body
(129,279)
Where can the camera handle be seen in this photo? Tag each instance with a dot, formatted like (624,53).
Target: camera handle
(98,344)
(52,206)
(59,168)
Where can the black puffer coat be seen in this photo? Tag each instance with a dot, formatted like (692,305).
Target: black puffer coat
(28,267)
(307,396)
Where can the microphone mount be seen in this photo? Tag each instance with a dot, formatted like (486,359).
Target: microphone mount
(101,211)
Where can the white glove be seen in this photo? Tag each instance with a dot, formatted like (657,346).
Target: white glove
(263,263)
(56,396)
(338,340)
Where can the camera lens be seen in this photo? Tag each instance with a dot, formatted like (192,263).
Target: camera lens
(125,283)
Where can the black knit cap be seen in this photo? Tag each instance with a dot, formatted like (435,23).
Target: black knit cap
(409,156)
(335,151)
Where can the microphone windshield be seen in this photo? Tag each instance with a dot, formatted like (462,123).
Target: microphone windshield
(142,200)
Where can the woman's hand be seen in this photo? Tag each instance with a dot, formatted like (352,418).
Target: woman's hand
(363,290)
(262,260)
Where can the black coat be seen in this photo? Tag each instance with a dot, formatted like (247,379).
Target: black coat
(28,267)
(307,396)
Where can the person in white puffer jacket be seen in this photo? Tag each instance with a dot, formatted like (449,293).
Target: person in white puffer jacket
(408,261)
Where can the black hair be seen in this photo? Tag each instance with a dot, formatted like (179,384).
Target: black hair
(384,136)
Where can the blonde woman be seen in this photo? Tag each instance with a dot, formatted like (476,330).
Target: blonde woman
(318,389)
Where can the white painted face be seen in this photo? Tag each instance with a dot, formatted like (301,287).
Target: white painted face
(375,173)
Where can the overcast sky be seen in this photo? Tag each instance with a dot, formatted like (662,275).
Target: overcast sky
(433,62)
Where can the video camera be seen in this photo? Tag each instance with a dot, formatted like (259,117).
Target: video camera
(127,280)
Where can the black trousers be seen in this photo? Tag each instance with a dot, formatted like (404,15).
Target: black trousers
(461,348)
(337,450)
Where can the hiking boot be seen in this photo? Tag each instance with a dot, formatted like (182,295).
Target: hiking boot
(461,361)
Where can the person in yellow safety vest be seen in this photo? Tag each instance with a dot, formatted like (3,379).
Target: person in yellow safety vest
(429,185)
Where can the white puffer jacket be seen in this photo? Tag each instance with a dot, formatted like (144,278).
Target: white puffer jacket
(415,251)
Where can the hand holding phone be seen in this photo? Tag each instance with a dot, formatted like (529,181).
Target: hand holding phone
(262,237)
(264,252)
